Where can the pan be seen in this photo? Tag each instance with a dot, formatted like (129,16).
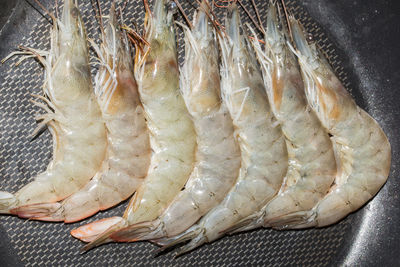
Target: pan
(360,38)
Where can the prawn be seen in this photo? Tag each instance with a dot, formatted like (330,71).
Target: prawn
(128,151)
(362,149)
(312,166)
(73,117)
(218,154)
(264,158)
(172,133)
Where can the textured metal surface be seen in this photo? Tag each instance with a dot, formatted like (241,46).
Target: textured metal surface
(37,243)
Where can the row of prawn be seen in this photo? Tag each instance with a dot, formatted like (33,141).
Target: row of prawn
(264,138)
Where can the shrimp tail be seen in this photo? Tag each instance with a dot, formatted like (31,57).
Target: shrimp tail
(195,234)
(197,241)
(246,224)
(295,220)
(52,212)
(168,242)
(7,201)
(161,241)
(97,233)
(139,232)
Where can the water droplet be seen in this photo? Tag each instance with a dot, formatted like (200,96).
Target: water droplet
(310,37)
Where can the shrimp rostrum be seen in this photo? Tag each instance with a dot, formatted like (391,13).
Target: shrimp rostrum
(264,158)
(128,151)
(172,134)
(73,117)
(218,154)
(362,149)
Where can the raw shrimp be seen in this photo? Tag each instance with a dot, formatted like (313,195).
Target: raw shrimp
(312,165)
(172,134)
(73,117)
(263,148)
(362,148)
(128,152)
(218,154)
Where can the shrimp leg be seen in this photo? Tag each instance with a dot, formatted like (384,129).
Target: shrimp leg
(74,119)
(362,148)
(263,148)
(172,133)
(128,151)
(218,154)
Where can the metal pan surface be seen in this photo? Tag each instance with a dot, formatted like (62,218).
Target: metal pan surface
(361,40)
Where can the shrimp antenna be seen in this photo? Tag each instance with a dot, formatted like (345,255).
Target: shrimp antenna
(46,10)
(183,13)
(124,6)
(287,19)
(100,13)
(146,6)
(98,16)
(35,53)
(138,42)
(56,7)
(251,17)
(223,1)
(217,24)
(257,13)
(101,16)
(215,19)
(121,9)
(135,35)
(147,14)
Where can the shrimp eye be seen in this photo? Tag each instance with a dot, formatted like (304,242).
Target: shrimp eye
(74,12)
(172,6)
(279,26)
